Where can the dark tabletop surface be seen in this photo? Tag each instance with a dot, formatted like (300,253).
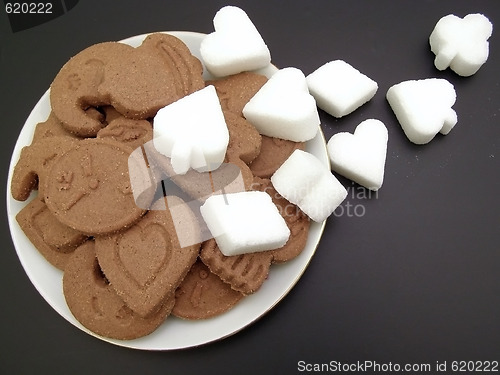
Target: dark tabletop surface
(411,277)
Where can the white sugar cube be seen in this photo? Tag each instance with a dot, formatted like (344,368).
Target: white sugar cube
(461,43)
(192,132)
(306,182)
(283,107)
(423,107)
(339,88)
(245,222)
(235,46)
(361,156)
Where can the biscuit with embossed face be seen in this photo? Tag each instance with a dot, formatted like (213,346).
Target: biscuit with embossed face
(147,262)
(203,295)
(95,304)
(88,188)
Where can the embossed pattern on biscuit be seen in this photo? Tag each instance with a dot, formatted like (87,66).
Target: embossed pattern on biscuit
(203,294)
(146,263)
(273,153)
(35,161)
(245,273)
(95,304)
(54,240)
(151,76)
(132,133)
(186,67)
(295,219)
(236,90)
(88,188)
(76,87)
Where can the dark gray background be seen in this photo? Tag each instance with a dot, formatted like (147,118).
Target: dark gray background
(415,279)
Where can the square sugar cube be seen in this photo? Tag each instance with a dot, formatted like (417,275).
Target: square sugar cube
(339,88)
(306,182)
(245,222)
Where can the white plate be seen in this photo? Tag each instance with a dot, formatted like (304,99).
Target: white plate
(174,333)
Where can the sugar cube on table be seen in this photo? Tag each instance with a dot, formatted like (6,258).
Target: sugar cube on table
(339,88)
(461,43)
(192,132)
(305,181)
(423,107)
(245,222)
(283,107)
(235,46)
(361,156)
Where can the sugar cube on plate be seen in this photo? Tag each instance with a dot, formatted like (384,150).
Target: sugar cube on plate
(339,88)
(283,107)
(305,181)
(192,132)
(245,222)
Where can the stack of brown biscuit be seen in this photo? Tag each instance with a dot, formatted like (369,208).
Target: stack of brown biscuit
(125,270)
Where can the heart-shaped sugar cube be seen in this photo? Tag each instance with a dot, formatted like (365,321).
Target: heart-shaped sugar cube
(192,132)
(283,107)
(461,43)
(361,156)
(423,107)
(235,46)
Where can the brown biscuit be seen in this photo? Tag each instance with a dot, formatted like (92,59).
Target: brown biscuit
(95,304)
(244,139)
(273,153)
(146,263)
(295,219)
(186,68)
(51,127)
(203,295)
(76,87)
(236,90)
(245,273)
(88,188)
(137,82)
(54,240)
(157,73)
(35,161)
(132,133)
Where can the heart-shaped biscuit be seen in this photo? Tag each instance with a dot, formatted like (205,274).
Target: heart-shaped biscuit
(235,46)
(423,107)
(144,251)
(145,283)
(283,107)
(361,156)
